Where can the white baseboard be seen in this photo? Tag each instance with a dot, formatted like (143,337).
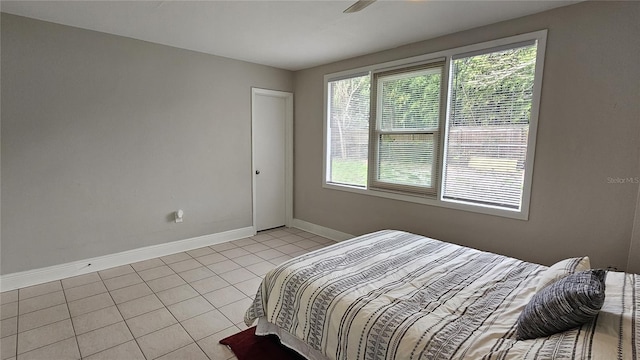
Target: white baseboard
(334,235)
(57,272)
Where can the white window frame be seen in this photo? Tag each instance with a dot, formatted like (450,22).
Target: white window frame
(522,214)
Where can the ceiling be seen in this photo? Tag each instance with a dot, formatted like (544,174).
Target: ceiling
(290,35)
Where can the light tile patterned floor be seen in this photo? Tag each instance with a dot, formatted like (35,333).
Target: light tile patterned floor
(174,307)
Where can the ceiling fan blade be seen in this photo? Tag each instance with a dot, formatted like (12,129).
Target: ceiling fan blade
(358,5)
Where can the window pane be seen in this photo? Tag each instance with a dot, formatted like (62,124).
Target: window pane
(410,101)
(489,126)
(349,130)
(406,159)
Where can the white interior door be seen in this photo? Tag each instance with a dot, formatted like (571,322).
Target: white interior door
(270,139)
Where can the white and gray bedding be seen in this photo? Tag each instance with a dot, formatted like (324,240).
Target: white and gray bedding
(395,295)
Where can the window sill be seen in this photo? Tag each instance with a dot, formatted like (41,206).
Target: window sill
(433,201)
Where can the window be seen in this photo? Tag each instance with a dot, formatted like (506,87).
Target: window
(488,129)
(405,137)
(348,130)
(454,129)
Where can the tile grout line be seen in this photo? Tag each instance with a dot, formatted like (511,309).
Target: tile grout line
(31,312)
(40,347)
(153,267)
(77,286)
(37,327)
(102,308)
(73,328)
(125,324)
(18,323)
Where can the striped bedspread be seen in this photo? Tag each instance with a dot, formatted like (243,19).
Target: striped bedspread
(395,295)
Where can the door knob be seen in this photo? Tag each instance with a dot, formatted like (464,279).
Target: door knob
(257,172)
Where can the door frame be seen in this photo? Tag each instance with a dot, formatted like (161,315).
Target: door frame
(288,152)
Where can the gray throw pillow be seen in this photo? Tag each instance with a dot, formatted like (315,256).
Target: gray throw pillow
(563,305)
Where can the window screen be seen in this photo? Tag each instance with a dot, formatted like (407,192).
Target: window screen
(348,131)
(488,126)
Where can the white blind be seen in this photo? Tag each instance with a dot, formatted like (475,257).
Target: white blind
(405,140)
(488,128)
(406,159)
(348,130)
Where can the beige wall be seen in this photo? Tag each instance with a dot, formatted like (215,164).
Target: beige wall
(103,137)
(589,130)
(633,264)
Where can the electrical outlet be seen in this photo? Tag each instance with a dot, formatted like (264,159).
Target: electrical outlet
(178,215)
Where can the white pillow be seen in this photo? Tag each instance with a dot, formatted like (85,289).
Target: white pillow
(563,269)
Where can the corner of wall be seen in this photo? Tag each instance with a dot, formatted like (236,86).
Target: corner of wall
(633,263)
(332,234)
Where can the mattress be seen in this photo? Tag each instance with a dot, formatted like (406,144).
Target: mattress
(396,295)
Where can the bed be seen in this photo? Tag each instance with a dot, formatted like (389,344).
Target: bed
(396,295)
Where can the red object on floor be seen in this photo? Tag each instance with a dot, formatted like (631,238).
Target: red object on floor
(246,345)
